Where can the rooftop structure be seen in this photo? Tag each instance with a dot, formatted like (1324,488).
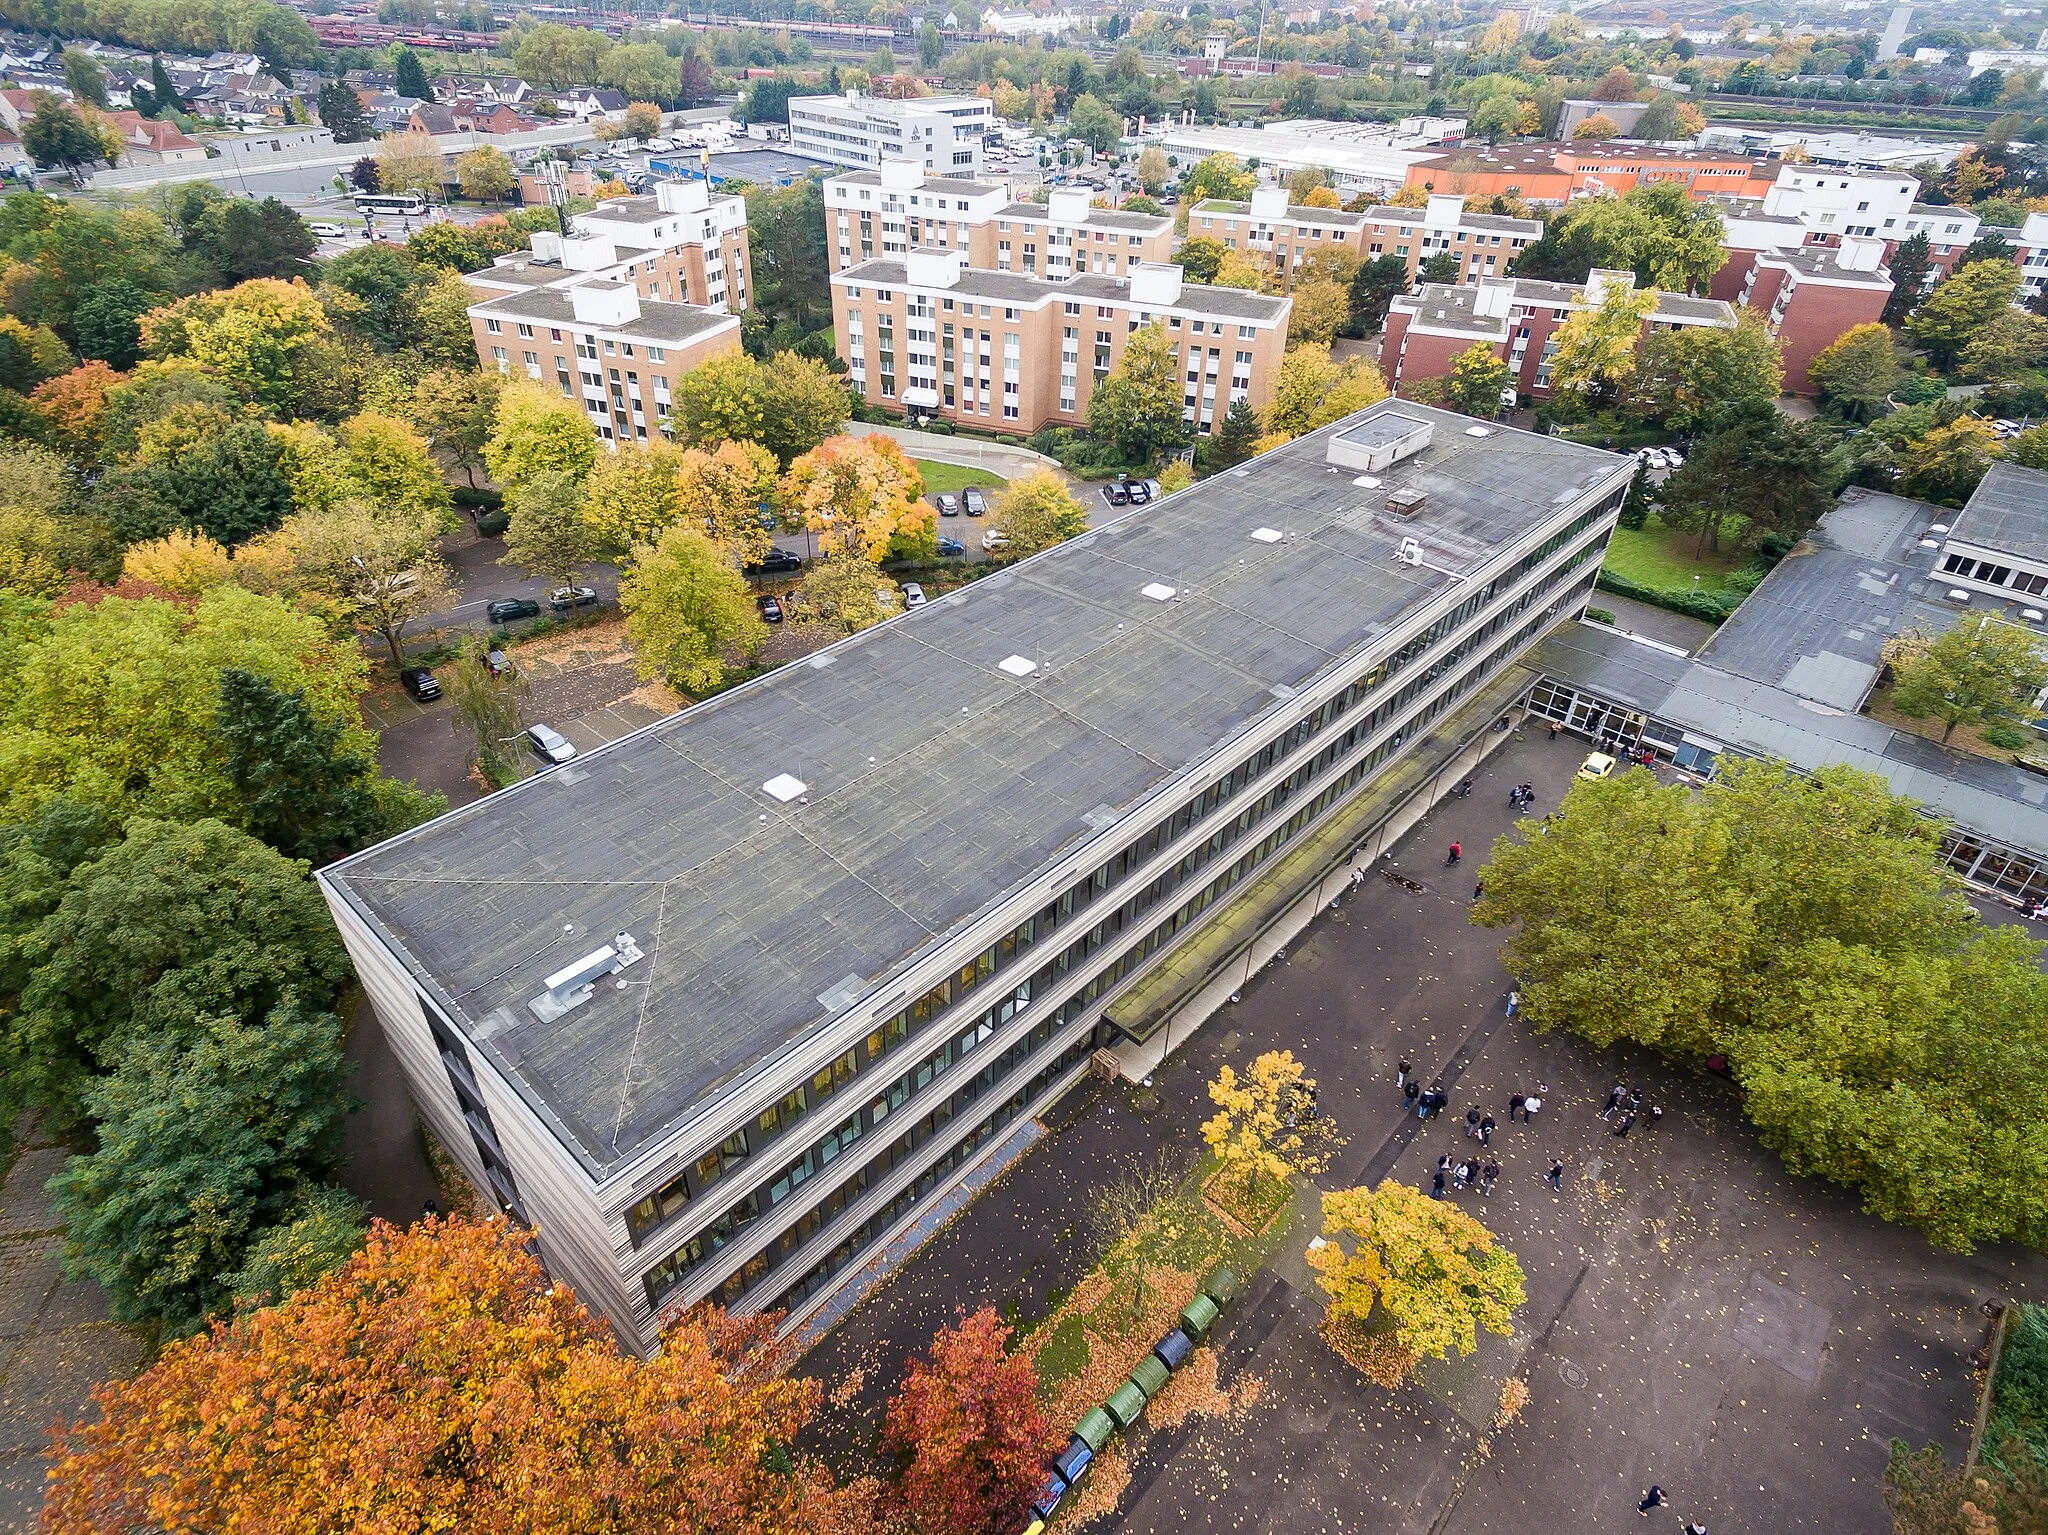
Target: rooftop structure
(630,989)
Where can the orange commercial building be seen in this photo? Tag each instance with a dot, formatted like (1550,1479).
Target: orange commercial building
(1556,173)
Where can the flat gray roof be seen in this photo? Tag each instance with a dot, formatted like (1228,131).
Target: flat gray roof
(1018,288)
(658,318)
(638,210)
(946,185)
(937,784)
(1105,218)
(2009,511)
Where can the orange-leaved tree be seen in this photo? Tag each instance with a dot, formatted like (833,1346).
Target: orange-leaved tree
(968,1431)
(440,1381)
(858,494)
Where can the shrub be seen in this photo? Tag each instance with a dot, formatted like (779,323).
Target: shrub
(1599,615)
(1711,606)
(2006,737)
(493,524)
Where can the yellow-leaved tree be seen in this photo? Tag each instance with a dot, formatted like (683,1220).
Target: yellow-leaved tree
(1418,1268)
(181,562)
(1312,389)
(860,495)
(1266,1127)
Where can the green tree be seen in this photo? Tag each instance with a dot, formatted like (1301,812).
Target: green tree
(56,137)
(1495,118)
(1945,463)
(374,291)
(1035,513)
(1686,376)
(316,1235)
(686,606)
(172,923)
(223,478)
(1659,232)
(1635,507)
(455,412)
(205,1137)
(547,536)
(1857,369)
(1443,267)
(241,239)
(1759,472)
(1221,175)
(341,112)
(490,707)
(1955,311)
(1138,407)
(1979,671)
(1911,261)
(1420,1268)
(802,403)
(1803,927)
(1095,123)
(301,789)
(2006,347)
(1237,439)
(106,322)
(931,45)
(84,78)
(537,433)
(1200,258)
(1374,287)
(409,76)
(1477,381)
(792,268)
(163,93)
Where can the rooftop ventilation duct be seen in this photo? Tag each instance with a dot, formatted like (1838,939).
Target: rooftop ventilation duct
(1379,441)
(1407,502)
(573,985)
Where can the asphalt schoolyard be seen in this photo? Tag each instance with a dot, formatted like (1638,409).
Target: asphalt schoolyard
(1697,1317)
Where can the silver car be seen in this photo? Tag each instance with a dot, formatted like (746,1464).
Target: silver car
(548,744)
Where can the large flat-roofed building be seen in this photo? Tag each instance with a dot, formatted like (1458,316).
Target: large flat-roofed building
(722,1007)
(1787,676)
(898,209)
(932,336)
(942,134)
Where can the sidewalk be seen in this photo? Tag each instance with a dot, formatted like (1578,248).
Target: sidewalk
(1009,461)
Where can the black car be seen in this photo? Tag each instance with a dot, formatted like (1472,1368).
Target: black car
(975,502)
(420,682)
(506,609)
(1137,490)
(1118,494)
(776,562)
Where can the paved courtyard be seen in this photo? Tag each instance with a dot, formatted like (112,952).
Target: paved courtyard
(1697,1317)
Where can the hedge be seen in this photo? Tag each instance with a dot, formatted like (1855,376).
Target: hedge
(1712,606)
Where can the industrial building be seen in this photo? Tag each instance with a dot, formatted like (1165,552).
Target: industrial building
(943,134)
(722,1008)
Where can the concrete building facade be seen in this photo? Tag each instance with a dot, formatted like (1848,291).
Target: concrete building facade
(609,987)
(1810,295)
(930,335)
(942,134)
(1517,318)
(684,245)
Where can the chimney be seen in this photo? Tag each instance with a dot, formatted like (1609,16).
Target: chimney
(604,303)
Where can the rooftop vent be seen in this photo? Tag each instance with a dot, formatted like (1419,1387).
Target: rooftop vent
(1158,591)
(1380,440)
(1478,431)
(572,985)
(2032,615)
(1930,543)
(1017,666)
(1368,481)
(1937,527)
(784,787)
(1957,594)
(1407,502)
(1267,535)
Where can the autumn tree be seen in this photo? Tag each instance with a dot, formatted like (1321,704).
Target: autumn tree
(253,336)
(849,592)
(860,495)
(1950,317)
(180,562)
(1036,512)
(547,535)
(1263,1131)
(1321,308)
(441,1380)
(1686,375)
(408,162)
(1138,407)
(455,412)
(1312,390)
(1421,1268)
(485,174)
(790,404)
(1475,385)
(685,606)
(537,432)
(379,570)
(1598,126)
(1977,671)
(1239,269)
(1946,462)
(1120,1210)
(1857,370)
(1803,928)
(968,1432)
(1596,347)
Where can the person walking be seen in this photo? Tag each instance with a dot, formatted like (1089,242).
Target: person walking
(1515,1102)
(1457,852)
(1437,1096)
(1486,1129)
(1555,1177)
(1488,1176)
(1478,890)
(1532,1103)
(1514,1003)
(1436,1185)
(1656,1115)
(1626,1124)
(1654,1498)
(1635,1101)
(1692,1527)
(1614,1101)
(1471,1121)
(1401,1076)
(1462,1175)
(1556,728)
(1409,1094)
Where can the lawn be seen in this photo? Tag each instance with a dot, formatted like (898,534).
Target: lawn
(955,477)
(1659,556)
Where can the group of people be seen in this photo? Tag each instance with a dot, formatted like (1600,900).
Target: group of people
(1625,1106)
(1464,1175)
(1479,1126)
(1521,797)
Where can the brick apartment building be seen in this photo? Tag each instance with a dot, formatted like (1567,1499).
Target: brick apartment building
(929,334)
(1485,243)
(1555,173)
(684,245)
(897,208)
(1516,318)
(1809,295)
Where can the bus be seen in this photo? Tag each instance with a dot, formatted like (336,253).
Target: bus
(392,204)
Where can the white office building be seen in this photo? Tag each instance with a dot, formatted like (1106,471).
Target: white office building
(941,133)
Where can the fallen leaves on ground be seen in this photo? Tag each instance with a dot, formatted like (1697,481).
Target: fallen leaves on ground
(1376,1356)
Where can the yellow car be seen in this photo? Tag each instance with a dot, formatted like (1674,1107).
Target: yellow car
(1598,765)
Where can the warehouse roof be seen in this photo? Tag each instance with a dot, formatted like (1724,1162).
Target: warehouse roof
(935,781)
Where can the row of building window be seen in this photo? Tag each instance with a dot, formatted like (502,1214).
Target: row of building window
(1992,574)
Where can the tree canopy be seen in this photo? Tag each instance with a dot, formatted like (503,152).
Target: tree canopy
(1660,232)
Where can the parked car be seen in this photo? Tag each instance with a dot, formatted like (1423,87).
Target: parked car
(1596,765)
(506,609)
(975,502)
(563,598)
(1151,490)
(548,744)
(951,546)
(660,146)
(2006,428)
(913,595)
(1117,494)
(327,231)
(994,539)
(948,503)
(1136,491)
(775,562)
(420,682)
(771,609)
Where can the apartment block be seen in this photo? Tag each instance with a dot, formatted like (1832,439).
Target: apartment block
(684,245)
(609,988)
(942,134)
(1517,318)
(896,209)
(599,342)
(1484,243)
(1810,295)
(1832,203)
(932,336)
(1949,231)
